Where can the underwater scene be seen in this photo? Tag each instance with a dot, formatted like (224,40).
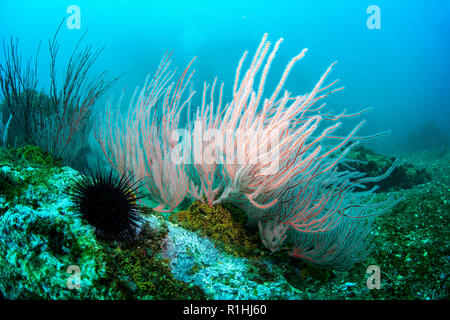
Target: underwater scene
(224,150)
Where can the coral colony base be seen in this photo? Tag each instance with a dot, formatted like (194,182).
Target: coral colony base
(274,156)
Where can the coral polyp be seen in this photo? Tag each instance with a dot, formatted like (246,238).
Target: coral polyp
(108,203)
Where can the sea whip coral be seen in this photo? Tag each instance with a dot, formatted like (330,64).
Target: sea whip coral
(275,156)
(142,142)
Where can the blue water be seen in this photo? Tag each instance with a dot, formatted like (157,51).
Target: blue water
(401,70)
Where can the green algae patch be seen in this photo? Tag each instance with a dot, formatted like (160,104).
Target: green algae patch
(28,156)
(30,186)
(38,247)
(23,169)
(225,224)
(11,186)
(34,155)
(144,272)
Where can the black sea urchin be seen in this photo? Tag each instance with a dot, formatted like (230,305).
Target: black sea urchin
(108,203)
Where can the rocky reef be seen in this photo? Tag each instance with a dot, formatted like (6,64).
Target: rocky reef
(203,252)
(404,176)
(41,238)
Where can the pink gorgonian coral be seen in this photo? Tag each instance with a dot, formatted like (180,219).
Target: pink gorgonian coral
(274,155)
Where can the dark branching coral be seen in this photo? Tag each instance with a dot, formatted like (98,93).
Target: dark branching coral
(59,120)
(108,203)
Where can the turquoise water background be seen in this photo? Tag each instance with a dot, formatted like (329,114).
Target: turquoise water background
(401,70)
